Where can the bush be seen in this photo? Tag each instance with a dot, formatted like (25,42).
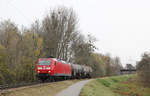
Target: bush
(143,69)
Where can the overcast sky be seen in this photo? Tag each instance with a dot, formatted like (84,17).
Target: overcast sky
(122,27)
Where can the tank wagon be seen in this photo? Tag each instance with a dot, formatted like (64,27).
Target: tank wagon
(81,71)
(54,69)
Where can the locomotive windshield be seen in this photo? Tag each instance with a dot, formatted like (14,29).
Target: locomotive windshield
(48,62)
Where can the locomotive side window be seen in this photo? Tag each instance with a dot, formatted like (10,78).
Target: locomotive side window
(48,62)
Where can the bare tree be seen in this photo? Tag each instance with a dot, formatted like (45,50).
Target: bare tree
(58,28)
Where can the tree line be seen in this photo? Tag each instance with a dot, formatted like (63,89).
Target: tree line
(143,69)
(58,35)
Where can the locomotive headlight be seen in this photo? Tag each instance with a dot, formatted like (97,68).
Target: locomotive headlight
(49,71)
(39,67)
(38,71)
(48,68)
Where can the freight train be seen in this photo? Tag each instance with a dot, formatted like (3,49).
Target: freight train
(54,69)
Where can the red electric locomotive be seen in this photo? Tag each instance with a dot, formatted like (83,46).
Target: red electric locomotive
(52,68)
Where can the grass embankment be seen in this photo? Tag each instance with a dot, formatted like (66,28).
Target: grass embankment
(47,89)
(115,86)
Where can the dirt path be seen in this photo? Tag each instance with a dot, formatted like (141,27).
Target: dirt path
(73,90)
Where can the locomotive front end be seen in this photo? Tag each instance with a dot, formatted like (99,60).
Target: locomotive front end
(43,69)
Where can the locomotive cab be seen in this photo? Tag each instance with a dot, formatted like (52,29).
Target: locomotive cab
(44,68)
(52,69)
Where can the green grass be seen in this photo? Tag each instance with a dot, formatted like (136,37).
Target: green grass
(95,88)
(115,86)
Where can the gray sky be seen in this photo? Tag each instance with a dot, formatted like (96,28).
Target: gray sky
(122,27)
